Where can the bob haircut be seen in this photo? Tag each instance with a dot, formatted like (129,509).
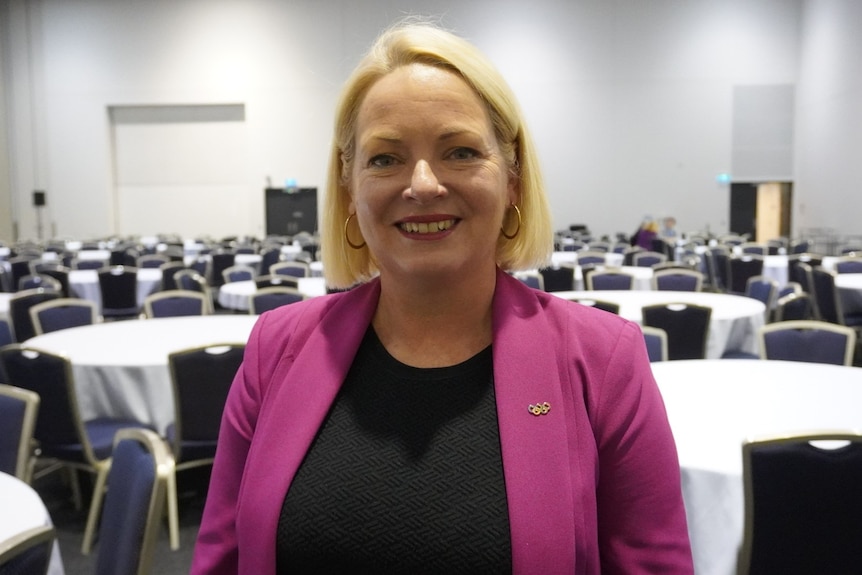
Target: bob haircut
(408,43)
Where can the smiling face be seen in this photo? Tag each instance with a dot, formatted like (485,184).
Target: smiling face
(428,182)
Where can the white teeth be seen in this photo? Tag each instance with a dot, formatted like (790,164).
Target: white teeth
(426,228)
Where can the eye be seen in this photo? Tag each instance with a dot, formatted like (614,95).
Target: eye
(463,153)
(382,161)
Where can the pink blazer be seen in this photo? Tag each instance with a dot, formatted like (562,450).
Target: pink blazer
(593,485)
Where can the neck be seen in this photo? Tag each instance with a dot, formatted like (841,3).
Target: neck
(437,323)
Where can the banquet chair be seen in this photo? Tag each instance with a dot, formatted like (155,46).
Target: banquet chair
(220,261)
(793,306)
(88,264)
(34,281)
(799,268)
(291,268)
(189,279)
(63,313)
(609,279)
(764,290)
(62,435)
(686,325)
(591,257)
(676,279)
(753,248)
(134,503)
(200,380)
(169,272)
(61,274)
(29,552)
(828,299)
(276,281)
(18,410)
(809,341)
(647,259)
(655,339)
(119,288)
(237,273)
(799,246)
(265,299)
(607,306)
(19,266)
(849,265)
(803,505)
(176,303)
(269,257)
(151,261)
(19,311)
(532,279)
(203,266)
(558,279)
(5,337)
(740,268)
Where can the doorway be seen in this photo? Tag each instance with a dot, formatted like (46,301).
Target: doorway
(761,209)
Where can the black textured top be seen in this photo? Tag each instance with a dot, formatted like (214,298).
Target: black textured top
(405,475)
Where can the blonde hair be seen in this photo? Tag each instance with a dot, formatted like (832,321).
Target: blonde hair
(421,42)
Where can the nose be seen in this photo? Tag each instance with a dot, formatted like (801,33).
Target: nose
(424,185)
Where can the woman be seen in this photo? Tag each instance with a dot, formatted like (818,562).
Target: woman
(440,417)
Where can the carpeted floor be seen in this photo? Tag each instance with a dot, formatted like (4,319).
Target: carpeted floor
(70,523)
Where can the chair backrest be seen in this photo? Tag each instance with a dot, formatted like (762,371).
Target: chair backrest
(19,267)
(119,288)
(849,265)
(176,303)
(803,505)
(610,280)
(532,279)
(676,279)
(63,313)
(28,553)
(61,274)
(33,281)
(220,261)
(50,377)
(169,271)
(134,503)
(191,280)
(238,273)
(655,339)
(295,269)
(88,264)
(19,311)
(793,306)
(201,378)
(558,279)
(266,299)
(18,410)
(607,306)
(647,259)
(591,257)
(276,280)
(269,257)
(687,327)
(152,261)
(742,267)
(763,289)
(753,248)
(826,295)
(810,341)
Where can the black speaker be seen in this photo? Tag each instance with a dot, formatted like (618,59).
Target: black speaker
(38,198)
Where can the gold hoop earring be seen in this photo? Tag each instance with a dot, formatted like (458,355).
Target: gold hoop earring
(347,235)
(518,229)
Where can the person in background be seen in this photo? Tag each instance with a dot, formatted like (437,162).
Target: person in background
(668,229)
(440,416)
(645,235)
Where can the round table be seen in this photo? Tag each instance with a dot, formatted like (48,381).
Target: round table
(235,295)
(4,304)
(715,405)
(121,367)
(23,509)
(733,324)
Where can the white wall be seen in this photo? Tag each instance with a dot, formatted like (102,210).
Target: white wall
(630,101)
(829,118)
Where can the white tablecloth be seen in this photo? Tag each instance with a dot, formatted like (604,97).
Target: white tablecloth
(714,405)
(850,290)
(235,295)
(85,284)
(121,367)
(22,509)
(733,325)
(4,304)
(571,258)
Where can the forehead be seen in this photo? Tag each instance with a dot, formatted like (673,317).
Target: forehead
(420,93)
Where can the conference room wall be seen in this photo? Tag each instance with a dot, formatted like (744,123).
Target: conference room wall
(631,103)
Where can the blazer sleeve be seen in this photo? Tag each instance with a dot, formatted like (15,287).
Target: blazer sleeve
(216,550)
(641,516)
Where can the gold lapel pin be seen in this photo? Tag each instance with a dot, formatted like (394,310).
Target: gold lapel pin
(539,408)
